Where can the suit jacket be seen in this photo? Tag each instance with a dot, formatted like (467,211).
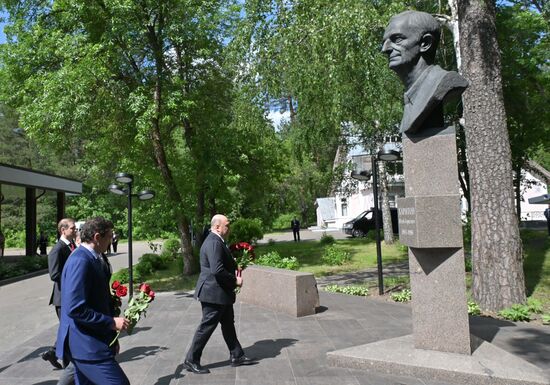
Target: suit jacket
(56,261)
(217,280)
(86,309)
(433,87)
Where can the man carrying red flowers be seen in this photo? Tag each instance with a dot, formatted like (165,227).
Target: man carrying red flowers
(216,291)
(87,320)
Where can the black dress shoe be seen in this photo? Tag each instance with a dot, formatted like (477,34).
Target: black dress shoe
(195,367)
(242,360)
(49,355)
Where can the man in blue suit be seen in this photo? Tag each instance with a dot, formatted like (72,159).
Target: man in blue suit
(87,324)
(216,291)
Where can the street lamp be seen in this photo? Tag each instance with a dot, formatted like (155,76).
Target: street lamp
(360,173)
(128,179)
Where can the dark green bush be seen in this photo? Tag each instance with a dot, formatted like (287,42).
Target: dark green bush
(122,276)
(144,268)
(171,247)
(246,230)
(326,239)
(29,264)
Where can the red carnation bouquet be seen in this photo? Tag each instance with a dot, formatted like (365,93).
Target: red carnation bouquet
(243,253)
(137,307)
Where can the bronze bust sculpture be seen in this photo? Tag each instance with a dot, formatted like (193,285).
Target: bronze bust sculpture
(410,41)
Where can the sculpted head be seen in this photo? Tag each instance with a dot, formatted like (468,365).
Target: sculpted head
(410,41)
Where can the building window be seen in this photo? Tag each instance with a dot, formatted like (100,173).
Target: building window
(344,209)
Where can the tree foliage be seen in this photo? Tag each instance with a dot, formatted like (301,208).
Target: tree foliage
(140,87)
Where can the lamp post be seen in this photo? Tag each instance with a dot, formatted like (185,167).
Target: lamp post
(385,154)
(128,179)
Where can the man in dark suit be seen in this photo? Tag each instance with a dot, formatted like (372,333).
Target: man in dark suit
(295,224)
(216,291)
(56,260)
(87,324)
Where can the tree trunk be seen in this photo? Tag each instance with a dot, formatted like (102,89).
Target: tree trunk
(386,214)
(498,279)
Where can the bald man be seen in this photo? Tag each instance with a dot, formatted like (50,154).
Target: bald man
(216,291)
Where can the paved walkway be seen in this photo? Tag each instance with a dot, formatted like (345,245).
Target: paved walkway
(291,351)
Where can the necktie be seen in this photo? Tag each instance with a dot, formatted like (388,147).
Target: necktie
(72,246)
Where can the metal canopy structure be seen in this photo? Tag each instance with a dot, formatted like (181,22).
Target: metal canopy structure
(32,180)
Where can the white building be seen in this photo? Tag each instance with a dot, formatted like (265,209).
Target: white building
(333,212)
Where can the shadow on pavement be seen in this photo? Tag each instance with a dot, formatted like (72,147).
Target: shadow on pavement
(269,348)
(139,352)
(166,380)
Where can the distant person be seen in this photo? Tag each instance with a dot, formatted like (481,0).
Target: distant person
(295,225)
(114,241)
(87,324)
(56,261)
(547,215)
(216,292)
(2,243)
(43,243)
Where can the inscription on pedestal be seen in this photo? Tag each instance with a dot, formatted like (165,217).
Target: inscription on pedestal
(430,221)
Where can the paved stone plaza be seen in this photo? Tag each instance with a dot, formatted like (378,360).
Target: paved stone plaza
(290,350)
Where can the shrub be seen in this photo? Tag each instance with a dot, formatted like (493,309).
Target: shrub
(534,305)
(122,276)
(516,313)
(246,230)
(402,296)
(351,289)
(7,270)
(273,259)
(546,319)
(473,308)
(335,256)
(144,268)
(171,246)
(282,222)
(327,239)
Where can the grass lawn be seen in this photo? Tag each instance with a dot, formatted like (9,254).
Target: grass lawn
(363,255)
(309,253)
(536,251)
(172,279)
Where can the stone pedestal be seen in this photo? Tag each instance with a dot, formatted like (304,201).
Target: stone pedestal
(440,348)
(429,223)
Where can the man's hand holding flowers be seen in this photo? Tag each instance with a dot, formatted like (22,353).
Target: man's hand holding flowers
(137,306)
(243,253)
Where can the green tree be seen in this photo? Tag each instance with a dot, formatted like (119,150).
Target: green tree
(139,87)
(319,61)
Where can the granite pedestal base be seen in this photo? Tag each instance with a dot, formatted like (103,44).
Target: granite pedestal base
(488,364)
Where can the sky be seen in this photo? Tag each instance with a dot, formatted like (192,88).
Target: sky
(3,15)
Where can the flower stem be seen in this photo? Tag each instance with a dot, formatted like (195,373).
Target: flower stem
(114,339)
